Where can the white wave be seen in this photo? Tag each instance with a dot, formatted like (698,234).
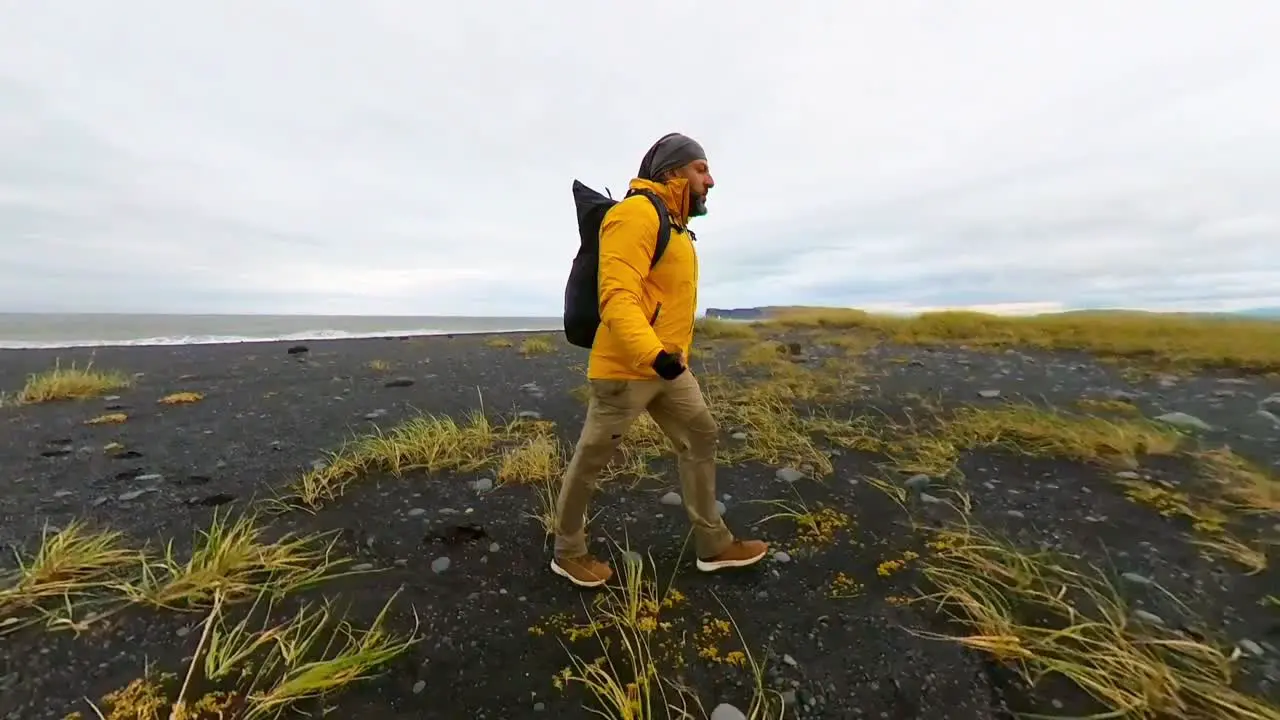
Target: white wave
(229,339)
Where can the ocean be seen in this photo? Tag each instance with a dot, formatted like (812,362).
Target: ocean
(53,330)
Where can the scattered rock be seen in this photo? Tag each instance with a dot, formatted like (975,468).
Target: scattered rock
(918,482)
(671,498)
(1251,647)
(421,685)
(213,500)
(739,436)
(482,485)
(1148,617)
(529,415)
(1268,415)
(1184,420)
(931,500)
(375,414)
(416,512)
(63,493)
(989,394)
(1128,475)
(150,477)
(1271,402)
(132,494)
(298,350)
(782,557)
(720,508)
(725,711)
(398,382)
(362,567)
(789,475)
(1135,578)
(440,564)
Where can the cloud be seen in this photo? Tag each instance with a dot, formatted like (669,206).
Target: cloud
(391,158)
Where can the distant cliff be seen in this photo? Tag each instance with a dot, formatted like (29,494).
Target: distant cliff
(736,313)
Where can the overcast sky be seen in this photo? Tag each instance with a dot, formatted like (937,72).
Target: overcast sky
(416,157)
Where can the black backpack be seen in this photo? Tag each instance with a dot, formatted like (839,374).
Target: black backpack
(582,292)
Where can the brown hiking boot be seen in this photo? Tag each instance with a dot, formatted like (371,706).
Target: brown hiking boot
(740,554)
(584,571)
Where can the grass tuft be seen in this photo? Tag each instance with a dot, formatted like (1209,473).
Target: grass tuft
(1042,616)
(536,346)
(71,383)
(181,398)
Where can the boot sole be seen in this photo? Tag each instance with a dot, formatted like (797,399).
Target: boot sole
(555,568)
(707,566)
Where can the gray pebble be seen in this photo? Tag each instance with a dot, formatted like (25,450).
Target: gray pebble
(1135,578)
(739,436)
(482,485)
(1251,647)
(1148,617)
(788,474)
(362,567)
(725,711)
(419,686)
(529,415)
(720,508)
(440,564)
(494,547)
(989,394)
(671,498)
(1184,420)
(416,512)
(917,482)
(781,557)
(153,477)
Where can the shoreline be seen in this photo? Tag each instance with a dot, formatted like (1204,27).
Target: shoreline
(302,337)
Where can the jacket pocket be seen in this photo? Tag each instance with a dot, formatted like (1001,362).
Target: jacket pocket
(653,319)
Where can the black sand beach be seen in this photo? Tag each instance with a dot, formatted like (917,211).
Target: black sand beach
(458,557)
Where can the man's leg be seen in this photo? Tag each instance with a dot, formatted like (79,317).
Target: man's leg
(612,407)
(682,413)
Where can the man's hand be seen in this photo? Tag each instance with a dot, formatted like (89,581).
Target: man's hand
(668,366)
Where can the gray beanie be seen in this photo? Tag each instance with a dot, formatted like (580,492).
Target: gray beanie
(671,151)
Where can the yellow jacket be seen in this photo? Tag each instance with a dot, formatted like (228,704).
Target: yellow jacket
(643,311)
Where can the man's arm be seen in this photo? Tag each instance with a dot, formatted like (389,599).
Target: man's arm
(628,239)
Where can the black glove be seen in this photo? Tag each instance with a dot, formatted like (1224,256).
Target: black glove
(668,366)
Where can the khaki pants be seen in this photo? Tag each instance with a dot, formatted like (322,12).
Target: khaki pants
(677,406)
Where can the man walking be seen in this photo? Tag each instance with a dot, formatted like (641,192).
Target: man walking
(637,362)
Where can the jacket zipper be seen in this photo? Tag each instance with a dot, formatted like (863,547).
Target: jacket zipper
(654,319)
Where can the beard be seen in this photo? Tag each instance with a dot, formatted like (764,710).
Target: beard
(697,205)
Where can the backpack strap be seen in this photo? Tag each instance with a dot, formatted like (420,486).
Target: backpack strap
(664,223)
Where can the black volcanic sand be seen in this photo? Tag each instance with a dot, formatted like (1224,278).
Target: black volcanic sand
(269,415)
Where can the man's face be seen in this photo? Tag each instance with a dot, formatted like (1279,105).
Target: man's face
(698,173)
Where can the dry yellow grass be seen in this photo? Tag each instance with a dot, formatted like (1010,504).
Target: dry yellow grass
(264,668)
(429,442)
(108,419)
(537,345)
(934,444)
(181,398)
(498,342)
(1044,616)
(716,329)
(537,459)
(378,366)
(1173,340)
(71,383)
